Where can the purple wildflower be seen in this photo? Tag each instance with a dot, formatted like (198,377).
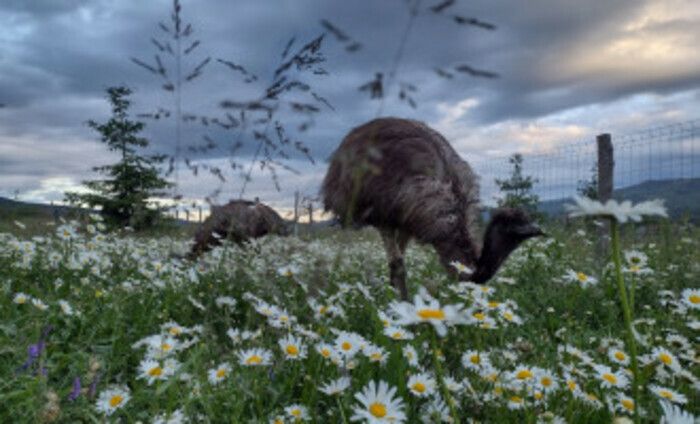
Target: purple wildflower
(75,392)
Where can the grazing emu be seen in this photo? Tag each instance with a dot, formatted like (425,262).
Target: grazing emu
(405,179)
(238,220)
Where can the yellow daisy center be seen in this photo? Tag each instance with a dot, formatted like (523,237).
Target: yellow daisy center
(221,373)
(666,394)
(694,299)
(620,356)
(377,409)
(665,358)
(325,352)
(516,399)
(21,300)
(508,316)
(254,359)
(175,331)
(480,316)
(546,381)
(581,277)
(431,314)
(296,412)
(571,385)
(493,304)
(166,347)
(539,395)
(397,335)
(610,378)
(116,400)
(475,359)
(628,404)
(292,350)
(346,345)
(523,375)
(155,372)
(323,309)
(419,387)
(376,356)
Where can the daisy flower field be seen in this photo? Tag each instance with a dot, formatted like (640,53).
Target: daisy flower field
(105,327)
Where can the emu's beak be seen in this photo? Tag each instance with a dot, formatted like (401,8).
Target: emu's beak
(529,230)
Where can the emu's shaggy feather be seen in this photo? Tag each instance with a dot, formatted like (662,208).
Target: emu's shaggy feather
(405,179)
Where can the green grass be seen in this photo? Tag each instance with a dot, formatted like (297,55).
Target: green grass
(126,288)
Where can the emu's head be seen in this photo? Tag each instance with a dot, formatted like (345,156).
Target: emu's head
(507,229)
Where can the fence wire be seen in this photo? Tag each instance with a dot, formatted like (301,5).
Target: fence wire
(669,152)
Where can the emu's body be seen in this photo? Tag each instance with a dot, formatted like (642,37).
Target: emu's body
(405,179)
(238,220)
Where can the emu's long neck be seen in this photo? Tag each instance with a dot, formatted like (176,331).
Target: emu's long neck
(494,252)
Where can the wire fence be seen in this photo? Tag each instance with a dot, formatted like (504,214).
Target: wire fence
(670,152)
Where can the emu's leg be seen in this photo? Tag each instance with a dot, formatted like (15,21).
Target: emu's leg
(395,245)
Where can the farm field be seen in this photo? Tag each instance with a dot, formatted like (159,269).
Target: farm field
(96,327)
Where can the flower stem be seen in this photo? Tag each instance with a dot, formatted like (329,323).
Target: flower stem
(627,313)
(342,411)
(441,382)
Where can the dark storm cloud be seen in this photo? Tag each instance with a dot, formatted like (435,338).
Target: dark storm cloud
(57,57)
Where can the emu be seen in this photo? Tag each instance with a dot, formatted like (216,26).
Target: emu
(403,178)
(239,221)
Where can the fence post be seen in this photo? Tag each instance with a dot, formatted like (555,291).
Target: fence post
(296,213)
(606,165)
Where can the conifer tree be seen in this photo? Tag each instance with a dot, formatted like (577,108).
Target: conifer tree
(517,190)
(125,195)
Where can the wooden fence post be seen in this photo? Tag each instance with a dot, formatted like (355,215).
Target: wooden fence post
(606,165)
(296,213)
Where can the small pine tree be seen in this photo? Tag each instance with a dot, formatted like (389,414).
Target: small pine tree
(517,189)
(123,196)
(589,188)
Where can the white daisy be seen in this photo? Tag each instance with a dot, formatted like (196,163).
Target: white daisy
(152,370)
(112,399)
(218,374)
(254,357)
(65,307)
(580,278)
(222,301)
(378,405)
(297,412)
(39,304)
(348,344)
(292,347)
(411,355)
(397,333)
(428,311)
(667,358)
(668,394)
(421,385)
(618,356)
(622,212)
(673,414)
(335,387)
(610,379)
(20,298)
(691,298)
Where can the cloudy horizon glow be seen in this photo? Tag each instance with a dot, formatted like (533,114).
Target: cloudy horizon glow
(568,70)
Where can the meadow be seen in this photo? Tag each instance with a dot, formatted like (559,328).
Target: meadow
(104,327)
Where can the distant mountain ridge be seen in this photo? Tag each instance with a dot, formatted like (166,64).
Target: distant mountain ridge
(681,197)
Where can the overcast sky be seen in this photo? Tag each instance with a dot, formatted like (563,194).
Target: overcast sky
(568,70)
